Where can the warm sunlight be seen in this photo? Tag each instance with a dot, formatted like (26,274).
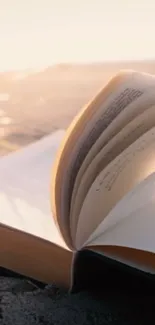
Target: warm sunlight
(36,33)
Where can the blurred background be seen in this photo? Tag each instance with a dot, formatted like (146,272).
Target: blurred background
(56,54)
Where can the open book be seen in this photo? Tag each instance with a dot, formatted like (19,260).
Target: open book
(89,189)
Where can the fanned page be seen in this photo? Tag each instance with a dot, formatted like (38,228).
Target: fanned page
(127,233)
(132,203)
(127,170)
(93,120)
(29,240)
(114,147)
(131,111)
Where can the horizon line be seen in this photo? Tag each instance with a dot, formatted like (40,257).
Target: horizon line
(69,63)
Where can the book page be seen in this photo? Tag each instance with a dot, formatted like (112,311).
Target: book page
(126,171)
(131,111)
(134,228)
(135,199)
(83,133)
(114,147)
(25,189)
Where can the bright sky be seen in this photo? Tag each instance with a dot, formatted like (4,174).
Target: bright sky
(36,33)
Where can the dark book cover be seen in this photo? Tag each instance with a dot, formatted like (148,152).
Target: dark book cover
(95,272)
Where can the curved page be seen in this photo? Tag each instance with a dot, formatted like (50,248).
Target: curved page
(131,111)
(134,200)
(114,147)
(25,189)
(127,170)
(137,224)
(83,133)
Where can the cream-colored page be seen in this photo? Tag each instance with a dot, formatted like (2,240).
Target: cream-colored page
(127,170)
(134,200)
(131,111)
(84,129)
(114,147)
(25,189)
(132,223)
(125,90)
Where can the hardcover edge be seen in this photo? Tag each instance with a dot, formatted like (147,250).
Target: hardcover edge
(94,272)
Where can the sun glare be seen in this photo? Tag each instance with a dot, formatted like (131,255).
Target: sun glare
(37,33)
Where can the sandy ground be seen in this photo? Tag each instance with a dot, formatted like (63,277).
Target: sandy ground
(24,303)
